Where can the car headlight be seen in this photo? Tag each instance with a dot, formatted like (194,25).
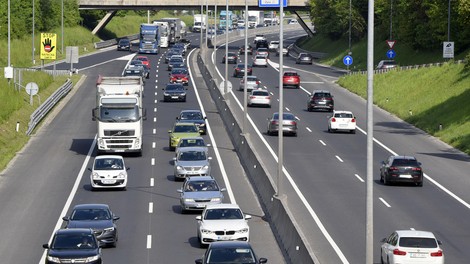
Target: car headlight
(188,200)
(53,259)
(242,231)
(93,258)
(166,94)
(202,125)
(122,175)
(206,167)
(216,200)
(179,167)
(95,175)
(206,231)
(109,229)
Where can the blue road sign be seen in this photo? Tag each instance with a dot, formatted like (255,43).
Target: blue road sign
(391,54)
(271,3)
(348,60)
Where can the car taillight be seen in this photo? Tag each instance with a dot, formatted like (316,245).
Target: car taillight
(292,123)
(399,252)
(353,120)
(274,122)
(333,119)
(416,169)
(252,97)
(437,254)
(393,168)
(257,82)
(268,97)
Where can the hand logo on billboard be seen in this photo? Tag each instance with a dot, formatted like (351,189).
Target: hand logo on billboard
(47,45)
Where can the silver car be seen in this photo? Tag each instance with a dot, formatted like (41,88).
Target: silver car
(259,97)
(192,161)
(289,122)
(260,60)
(197,192)
(191,142)
(252,83)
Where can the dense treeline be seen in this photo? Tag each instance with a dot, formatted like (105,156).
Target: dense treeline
(420,23)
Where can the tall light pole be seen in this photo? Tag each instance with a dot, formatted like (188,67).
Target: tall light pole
(215,33)
(226,49)
(32,49)
(9,37)
(391,16)
(281,102)
(350,18)
(448,22)
(202,14)
(245,76)
(62,50)
(207,20)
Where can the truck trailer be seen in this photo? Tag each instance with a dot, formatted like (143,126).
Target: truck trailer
(175,27)
(164,27)
(200,23)
(255,19)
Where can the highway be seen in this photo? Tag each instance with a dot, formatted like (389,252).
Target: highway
(50,175)
(328,171)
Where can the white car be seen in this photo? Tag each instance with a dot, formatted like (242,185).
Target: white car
(411,247)
(342,120)
(259,97)
(259,37)
(260,60)
(273,45)
(222,222)
(109,171)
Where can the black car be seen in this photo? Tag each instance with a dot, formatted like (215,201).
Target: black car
(304,58)
(239,70)
(262,44)
(99,218)
(76,245)
(320,100)
(232,58)
(174,92)
(145,67)
(171,53)
(134,71)
(404,169)
(124,44)
(233,252)
(194,116)
(175,62)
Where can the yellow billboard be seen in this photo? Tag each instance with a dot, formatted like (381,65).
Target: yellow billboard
(48,46)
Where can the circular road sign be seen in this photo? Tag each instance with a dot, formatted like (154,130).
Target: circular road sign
(32,88)
(348,60)
(229,86)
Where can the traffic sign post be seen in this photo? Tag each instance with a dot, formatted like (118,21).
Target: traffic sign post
(391,54)
(272,3)
(31,89)
(348,60)
(391,43)
(448,50)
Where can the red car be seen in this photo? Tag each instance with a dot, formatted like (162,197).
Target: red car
(179,75)
(291,78)
(144,60)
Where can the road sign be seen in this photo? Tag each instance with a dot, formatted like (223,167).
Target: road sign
(272,3)
(448,50)
(391,54)
(32,88)
(348,60)
(391,43)
(49,43)
(222,86)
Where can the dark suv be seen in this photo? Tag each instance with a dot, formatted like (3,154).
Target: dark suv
(401,169)
(262,44)
(320,100)
(75,245)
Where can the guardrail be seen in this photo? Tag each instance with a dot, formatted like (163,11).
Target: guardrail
(50,72)
(111,42)
(410,67)
(45,107)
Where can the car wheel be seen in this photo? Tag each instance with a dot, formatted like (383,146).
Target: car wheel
(381,258)
(183,211)
(419,184)
(353,131)
(384,180)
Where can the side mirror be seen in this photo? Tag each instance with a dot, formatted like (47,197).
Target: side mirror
(65,218)
(223,189)
(45,246)
(115,218)
(209,158)
(383,240)
(247,217)
(198,261)
(169,131)
(179,191)
(174,159)
(263,260)
(127,168)
(199,218)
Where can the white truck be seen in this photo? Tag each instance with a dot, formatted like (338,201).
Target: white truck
(119,114)
(270,18)
(255,19)
(200,23)
(164,32)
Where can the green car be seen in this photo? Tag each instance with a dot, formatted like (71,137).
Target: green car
(182,130)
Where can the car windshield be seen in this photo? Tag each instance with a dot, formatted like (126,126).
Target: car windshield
(286,116)
(290,74)
(192,156)
(200,186)
(251,79)
(176,60)
(418,242)
(322,95)
(405,162)
(73,241)
(185,129)
(191,143)
(108,164)
(90,214)
(343,115)
(191,116)
(223,214)
(124,42)
(174,88)
(230,255)
(260,93)
(177,71)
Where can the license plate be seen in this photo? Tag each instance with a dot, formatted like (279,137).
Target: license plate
(343,125)
(119,150)
(321,103)
(407,176)
(200,205)
(223,238)
(418,255)
(174,97)
(109,181)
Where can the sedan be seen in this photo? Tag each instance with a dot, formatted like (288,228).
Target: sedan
(239,70)
(320,100)
(191,161)
(236,252)
(197,192)
(175,62)
(192,142)
(174,92)
(124,44)
(252,83)
(194,116)
(144,59)
(99,218)
(77,245)
(259,97)
(411,247)
(179,75)
(289,124)
(139,63)
(273,45)
(260,60)
(249,50)
(304,58)
(108,171)
(181,130)
(401,169)
(262,51)
(232,58)
(222,222)
(291,78)
(169,54)
(386,64)
(342,121)
(284,51)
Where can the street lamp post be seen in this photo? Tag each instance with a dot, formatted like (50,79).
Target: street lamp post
(245,76)
(202,14)
(32,49)
(62,25)
(281,101)
(215,33)
(226,49)
(448,22)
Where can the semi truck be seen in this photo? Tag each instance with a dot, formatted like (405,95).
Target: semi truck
(175,28)
(164,28)
(149,39)
(119,114)
(270,18)
(226,19)
(200,23)
(255,19)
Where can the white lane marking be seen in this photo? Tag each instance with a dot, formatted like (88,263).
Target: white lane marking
(339,158)
(153,144)
(153,161)
(216,150)
(154,131)
(271,93)
(150,208)
(156,80)
(155,100)
(314,82)
(154,119)
(71,195)
(155,109)
(152,182)
(384,202)
(323,143)
(308,129)
(287,109)
(359,177)
(149,241)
